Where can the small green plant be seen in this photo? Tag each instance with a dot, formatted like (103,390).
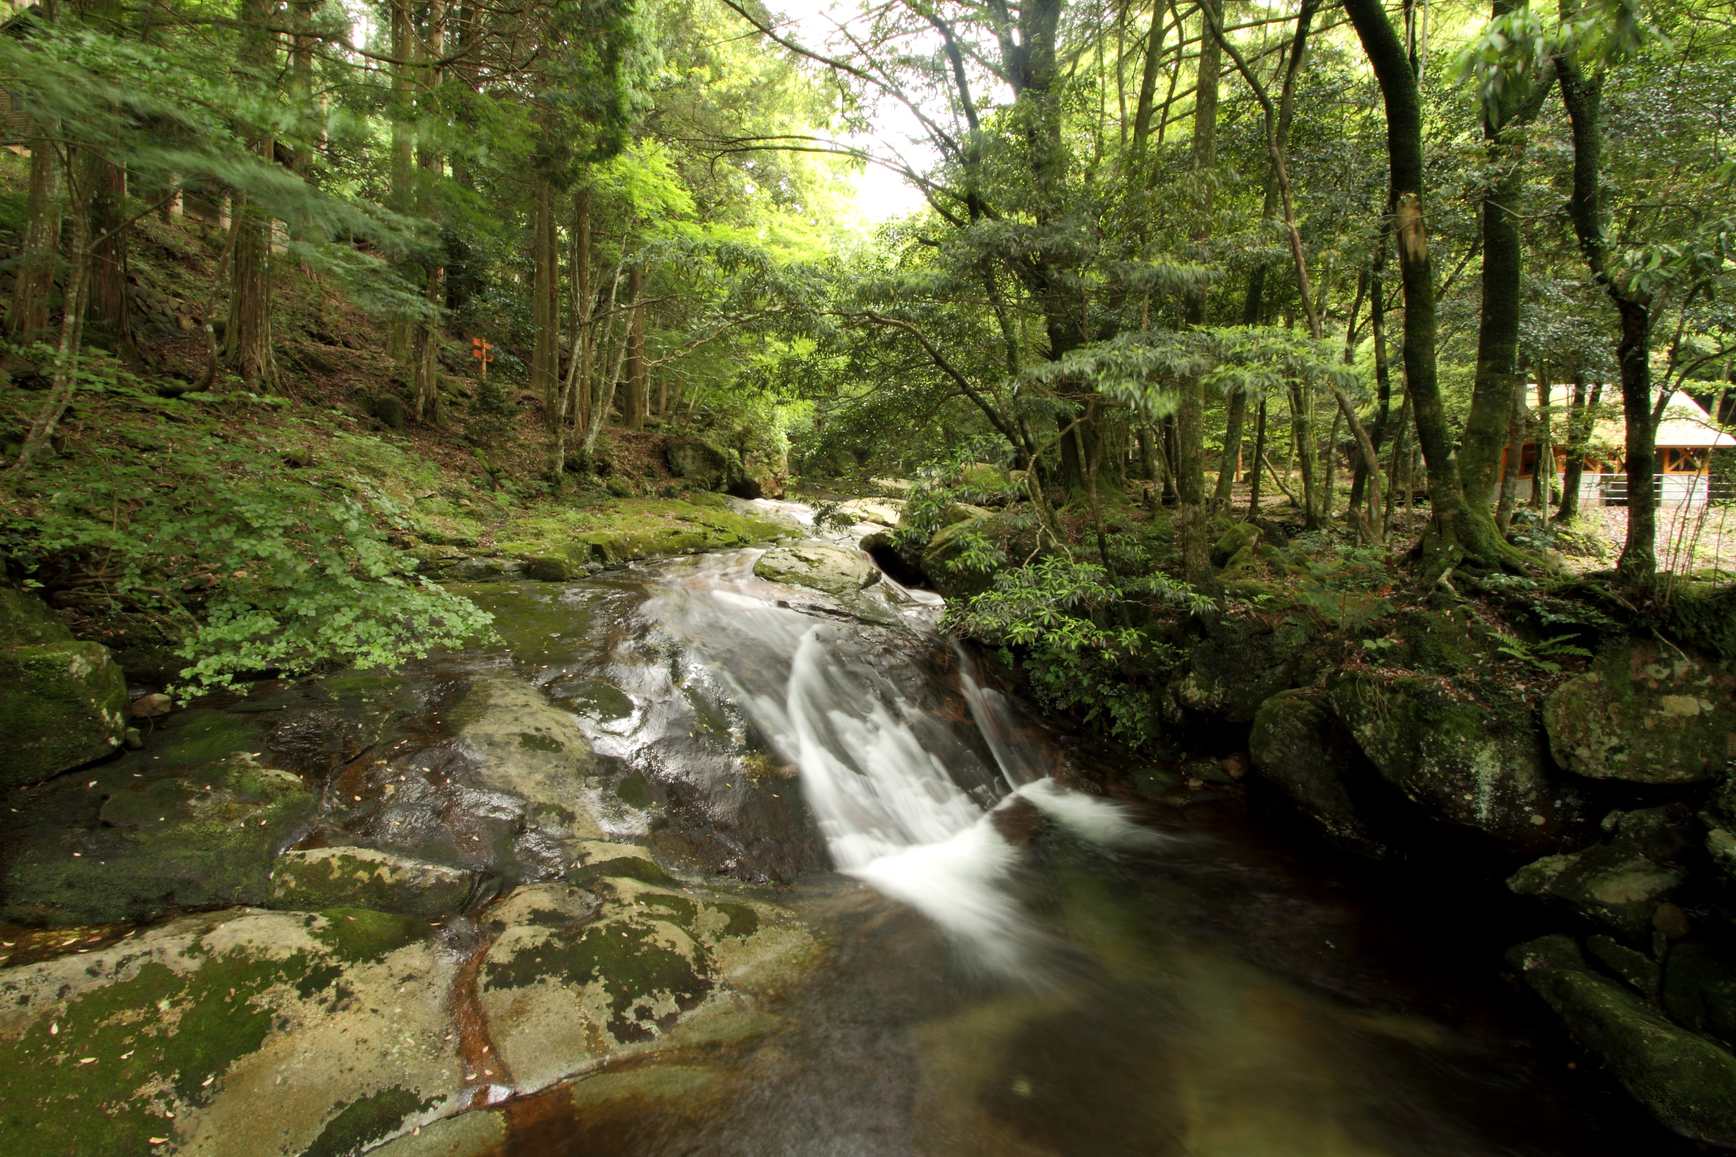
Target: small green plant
(1540,655)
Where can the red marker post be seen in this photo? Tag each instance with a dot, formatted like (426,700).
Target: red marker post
(483,352)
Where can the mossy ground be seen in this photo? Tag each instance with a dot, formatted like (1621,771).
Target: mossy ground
(562,542)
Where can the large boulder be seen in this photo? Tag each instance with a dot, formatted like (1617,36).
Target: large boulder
(831,570)
(1479,765)
(193,838)
(241,1032)
(700,463)
(1646,714)
(1687,1081)
(1699,989)
(62,704)
(880,511)
(946,562)
(1243,659)
(1299,746)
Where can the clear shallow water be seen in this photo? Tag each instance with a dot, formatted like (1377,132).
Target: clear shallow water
(1018,967)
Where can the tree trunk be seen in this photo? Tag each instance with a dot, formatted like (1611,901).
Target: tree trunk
(545,306)
(27,320)
(71,335)
(638,373)
(1543,477)
(248,336)
(1580,422)
(1582,98)
(1399,90)
(1190,413)
(1259,457)
(401,197)
(425,345)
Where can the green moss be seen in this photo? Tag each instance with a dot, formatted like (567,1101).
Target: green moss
(743,920)
(357,934)
(634,791)
(61,705)
(627,867)
(24,618)
(176,841)
(365,1121)
(537,742)
(682,911)
(625,956)
(155,1027)
(562,542)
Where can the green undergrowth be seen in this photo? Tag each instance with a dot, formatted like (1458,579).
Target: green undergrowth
(217,536)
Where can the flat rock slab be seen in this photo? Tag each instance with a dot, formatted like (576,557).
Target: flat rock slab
(198,837)
(347,877)
(240,1032)
(584,974)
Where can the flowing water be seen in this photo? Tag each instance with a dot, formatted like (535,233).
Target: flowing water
(1018,966)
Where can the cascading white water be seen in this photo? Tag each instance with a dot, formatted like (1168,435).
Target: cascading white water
(902,798)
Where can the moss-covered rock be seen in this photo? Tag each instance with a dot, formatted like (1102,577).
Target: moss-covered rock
(1299,746)
(525,745)
(1646,714)
(346,877)
(943,561)
(1239,661)
(1639,971)
(698,462)
(200,838)
(1611,884)
(579,975)
(1685,1080)
(62,704)
(1476,764)
(1236,538)
(557,543)
(880,511)
(243,1032)
(831,570)
(26,619)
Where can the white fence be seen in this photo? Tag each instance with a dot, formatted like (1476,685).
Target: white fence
(1691,490)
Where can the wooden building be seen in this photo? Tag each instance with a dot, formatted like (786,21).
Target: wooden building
(1687,435)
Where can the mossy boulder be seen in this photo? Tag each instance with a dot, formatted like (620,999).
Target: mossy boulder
(1644,713)
(563,543)
(348,877)
(240,1032)
(1476,764)
(879,511)
(26,619)
(698,462)
(831,570)
(1238,661)
(62,704)
(198,838)
(1236,538)
(943,559)
(1608,883)
(1687,1081)
(1300,747)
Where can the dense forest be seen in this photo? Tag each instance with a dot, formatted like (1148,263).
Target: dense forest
(1324,411)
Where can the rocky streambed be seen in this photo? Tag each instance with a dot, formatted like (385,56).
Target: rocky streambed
(731,854)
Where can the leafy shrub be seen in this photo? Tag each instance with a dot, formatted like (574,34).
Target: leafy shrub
(242,563)
(1073,627)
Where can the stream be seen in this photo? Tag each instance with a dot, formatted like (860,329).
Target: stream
(1017,966)
(1009,960)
